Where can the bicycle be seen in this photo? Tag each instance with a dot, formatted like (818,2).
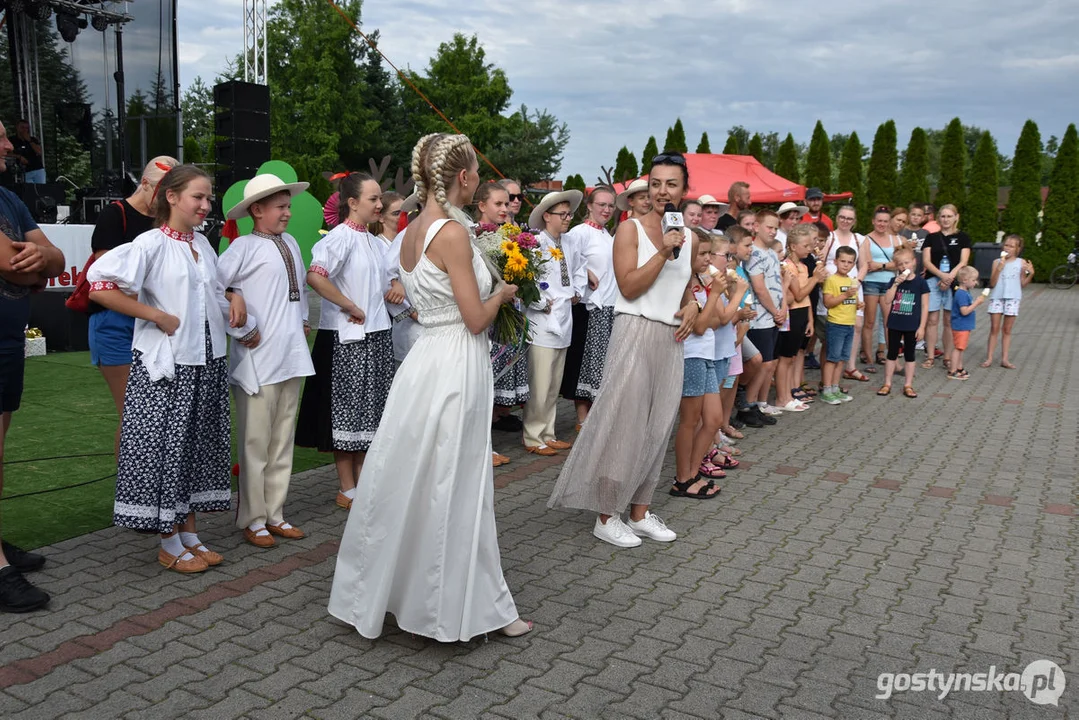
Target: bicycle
(1065,274)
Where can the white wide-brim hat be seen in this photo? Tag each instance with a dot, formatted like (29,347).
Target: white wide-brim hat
(788,206)
(412,202)
(573,197)
(710,201)
(638,185)
(263,186)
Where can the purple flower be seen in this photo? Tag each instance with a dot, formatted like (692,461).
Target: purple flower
(487,227)
(544,286)
(527,241)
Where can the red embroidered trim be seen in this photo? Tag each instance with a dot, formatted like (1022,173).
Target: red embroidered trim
(355,226)
(102,285)
(177,235)
(592,223)
(318,270)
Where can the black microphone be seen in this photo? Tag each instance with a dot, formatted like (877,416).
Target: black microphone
(672,220)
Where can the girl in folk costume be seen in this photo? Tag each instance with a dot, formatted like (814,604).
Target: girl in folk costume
(421,542)
(598,246)
(353,352)
(511,389)
(551,322)
(385,227)
(499,203)
(406,331)
(174,442)
(618,457)
(266,268)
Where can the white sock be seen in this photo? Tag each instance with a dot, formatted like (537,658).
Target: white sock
(350,494)
(175,547)
(190,539)
(258,528)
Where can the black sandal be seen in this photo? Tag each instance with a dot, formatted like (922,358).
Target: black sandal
(681,489)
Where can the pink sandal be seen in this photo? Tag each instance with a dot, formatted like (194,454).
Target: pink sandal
(711,471)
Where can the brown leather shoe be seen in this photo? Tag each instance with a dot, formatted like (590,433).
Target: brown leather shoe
(292,533)
(543,450)
(262,541)
(208,555)
(559,444)
(343,501)
(173,562)
(499,460)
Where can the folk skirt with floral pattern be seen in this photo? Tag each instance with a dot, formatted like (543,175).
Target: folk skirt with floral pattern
(600,324)
(174,445)
(362,375)
(512,388)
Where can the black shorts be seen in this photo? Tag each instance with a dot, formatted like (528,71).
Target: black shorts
(793,340)
(764,339)
(12,369)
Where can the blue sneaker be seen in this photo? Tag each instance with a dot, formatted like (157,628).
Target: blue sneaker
(811,362)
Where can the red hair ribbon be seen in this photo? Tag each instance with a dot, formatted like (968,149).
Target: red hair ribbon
(339,176)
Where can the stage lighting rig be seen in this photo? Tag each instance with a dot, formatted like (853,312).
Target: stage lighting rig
(69,26)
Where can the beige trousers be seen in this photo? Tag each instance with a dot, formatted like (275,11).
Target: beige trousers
(266,427)
(545,367)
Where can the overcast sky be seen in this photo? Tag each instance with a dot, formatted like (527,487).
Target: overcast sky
(617,72)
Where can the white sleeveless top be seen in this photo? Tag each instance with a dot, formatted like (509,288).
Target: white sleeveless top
(661,301)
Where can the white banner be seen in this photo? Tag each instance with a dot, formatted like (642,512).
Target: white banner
(74,242)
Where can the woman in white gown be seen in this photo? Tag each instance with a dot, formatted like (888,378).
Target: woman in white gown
(420,542)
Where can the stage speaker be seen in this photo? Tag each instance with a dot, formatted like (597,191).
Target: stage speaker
(242,126)
(42,200)
(238,95)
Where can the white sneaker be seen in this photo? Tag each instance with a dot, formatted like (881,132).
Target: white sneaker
(729,442)
(920,345)
(652,527)
(770,410)
(615,532)
(795,406)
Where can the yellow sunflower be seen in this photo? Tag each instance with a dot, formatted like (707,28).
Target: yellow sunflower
(509,247)
(556,254)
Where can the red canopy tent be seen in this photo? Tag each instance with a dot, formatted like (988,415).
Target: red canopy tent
(714,174)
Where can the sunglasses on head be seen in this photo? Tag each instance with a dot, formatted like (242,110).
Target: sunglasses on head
(519,197)
(669,159)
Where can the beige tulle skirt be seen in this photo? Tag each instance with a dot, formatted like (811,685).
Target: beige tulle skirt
(618,456)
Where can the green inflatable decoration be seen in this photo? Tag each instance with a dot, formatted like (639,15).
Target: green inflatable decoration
(306,218)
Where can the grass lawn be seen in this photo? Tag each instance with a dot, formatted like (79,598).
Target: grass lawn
(61,440)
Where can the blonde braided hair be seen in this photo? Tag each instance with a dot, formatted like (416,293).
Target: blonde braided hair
(419,157)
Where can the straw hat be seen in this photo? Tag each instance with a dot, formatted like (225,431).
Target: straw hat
(638,185)
(573,197)
(788,206)
(263,186)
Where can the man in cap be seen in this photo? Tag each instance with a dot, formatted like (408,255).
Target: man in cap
(789,215)
(814,200)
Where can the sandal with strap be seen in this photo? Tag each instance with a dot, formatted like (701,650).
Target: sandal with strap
(711,471)
(733,433)
(908,391)
(681,489)
(928,364)
(885,390)
(855,375)
(728,463)
(880,357)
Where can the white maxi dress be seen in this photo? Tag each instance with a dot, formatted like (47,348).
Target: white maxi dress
(420,541)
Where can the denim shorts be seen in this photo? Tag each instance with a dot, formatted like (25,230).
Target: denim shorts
(840,339)
(722,369)
(110,338)
(939,299)
(699,377)
(873,287)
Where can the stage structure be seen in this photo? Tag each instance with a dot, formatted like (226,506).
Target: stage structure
(255,42)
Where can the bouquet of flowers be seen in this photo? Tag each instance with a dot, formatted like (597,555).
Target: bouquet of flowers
(517,258)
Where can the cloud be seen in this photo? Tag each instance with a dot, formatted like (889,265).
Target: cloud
(619,71)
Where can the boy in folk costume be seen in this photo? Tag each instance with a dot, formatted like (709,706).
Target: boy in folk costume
(551,322)
(266,267)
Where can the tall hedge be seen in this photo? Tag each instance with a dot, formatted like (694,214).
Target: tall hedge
(980,218)
(1025,197)
(953,168)
(650,151)
(819,160)
(883,177)
(787,159)
(703,147)
(852,177)
(625,166)
(914,176)
(756,147)
(731,148)
(1059,225)
(676,138)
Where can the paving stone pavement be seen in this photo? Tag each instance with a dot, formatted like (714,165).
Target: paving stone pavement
(881,536)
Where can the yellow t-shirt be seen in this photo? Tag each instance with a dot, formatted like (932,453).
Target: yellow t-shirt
(845,312)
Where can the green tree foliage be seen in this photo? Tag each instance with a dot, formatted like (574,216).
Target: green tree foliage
(383,92)
(1059,228)
(1025,197)
(756,147)
(819,160)
(980,217)
(787,159)
(914,176)
(625,166)
(531,146)
(952,187)
(852,177)
(703,147)
(650,151)
(676,138)
(883,176)
(197,106)
(732,147)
